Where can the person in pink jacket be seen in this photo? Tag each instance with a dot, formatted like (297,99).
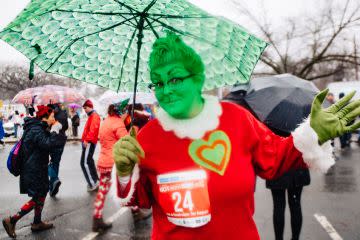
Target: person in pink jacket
(111,130)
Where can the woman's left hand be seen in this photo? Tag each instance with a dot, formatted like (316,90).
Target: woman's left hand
(334,121)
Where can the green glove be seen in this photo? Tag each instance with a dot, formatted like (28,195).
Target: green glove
(334,121)
(127,152)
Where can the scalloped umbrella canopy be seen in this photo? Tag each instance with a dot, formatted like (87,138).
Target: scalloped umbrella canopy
(108,42)
(48,94)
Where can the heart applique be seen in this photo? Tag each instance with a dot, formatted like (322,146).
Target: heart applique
(213,152)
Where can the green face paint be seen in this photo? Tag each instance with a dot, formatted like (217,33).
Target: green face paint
(177,91)
(177,76)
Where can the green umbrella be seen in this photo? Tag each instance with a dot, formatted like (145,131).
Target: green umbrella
(108,42)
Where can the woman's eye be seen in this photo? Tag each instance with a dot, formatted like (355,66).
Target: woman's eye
(174,80)
(159,84)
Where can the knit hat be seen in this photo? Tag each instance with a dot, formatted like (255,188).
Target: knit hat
(42,110)
(88,103)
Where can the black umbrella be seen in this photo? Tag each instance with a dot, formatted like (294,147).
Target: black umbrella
(281,102)
(237,94)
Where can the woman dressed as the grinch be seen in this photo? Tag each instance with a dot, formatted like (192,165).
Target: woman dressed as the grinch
(197,162)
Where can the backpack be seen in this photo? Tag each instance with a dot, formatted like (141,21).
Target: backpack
(14,160)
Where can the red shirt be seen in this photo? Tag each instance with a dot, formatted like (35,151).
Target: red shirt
(255,150)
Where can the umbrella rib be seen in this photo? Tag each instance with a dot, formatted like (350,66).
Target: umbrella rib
(98,13)
(126,6)
(149,6)
(152,28)
(125,56)
(77,39)
(169,27)
(61,10)
(132,10)
(151,22)
(182,16)
(182,32)
(131,24)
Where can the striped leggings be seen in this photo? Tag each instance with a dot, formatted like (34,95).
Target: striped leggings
(104,186)
(36,203)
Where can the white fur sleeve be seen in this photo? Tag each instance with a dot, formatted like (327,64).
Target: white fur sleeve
(315,156)
(123,183)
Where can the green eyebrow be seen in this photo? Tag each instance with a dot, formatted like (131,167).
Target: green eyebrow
(174,69)
(156,74)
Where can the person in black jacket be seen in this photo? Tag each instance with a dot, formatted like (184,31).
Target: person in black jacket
(292,181)
(75,122)
(36,144)
(56,153)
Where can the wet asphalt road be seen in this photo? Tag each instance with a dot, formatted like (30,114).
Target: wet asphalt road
(334,195)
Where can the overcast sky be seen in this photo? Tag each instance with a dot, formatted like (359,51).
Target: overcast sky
(277,11)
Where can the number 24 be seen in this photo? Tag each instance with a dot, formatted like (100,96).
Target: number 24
(187,203)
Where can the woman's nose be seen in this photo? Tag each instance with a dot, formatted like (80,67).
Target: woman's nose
(167,89)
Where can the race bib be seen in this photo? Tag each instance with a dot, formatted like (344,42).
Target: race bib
(184,198)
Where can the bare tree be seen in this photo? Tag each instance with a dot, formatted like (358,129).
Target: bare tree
(16,78)
(319,47)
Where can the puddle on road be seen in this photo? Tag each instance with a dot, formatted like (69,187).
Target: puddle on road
(340,179)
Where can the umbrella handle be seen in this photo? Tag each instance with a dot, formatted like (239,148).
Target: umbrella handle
(133,132)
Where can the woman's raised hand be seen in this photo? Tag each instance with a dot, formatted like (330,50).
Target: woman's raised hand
(335,120)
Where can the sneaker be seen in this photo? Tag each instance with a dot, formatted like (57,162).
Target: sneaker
(42,226)
(93,188)
(141,214)
(55,188)
(99,225)
(9,227)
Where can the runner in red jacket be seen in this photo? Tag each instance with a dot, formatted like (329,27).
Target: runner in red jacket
(195,165)
(89,140)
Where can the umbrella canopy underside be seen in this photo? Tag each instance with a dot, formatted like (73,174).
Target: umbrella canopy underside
(95,41)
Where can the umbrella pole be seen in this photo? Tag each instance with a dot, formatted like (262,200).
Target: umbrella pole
(139,43)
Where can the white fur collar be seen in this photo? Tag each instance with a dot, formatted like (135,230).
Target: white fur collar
(194,128)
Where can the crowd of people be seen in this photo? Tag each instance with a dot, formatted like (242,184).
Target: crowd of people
(44,138)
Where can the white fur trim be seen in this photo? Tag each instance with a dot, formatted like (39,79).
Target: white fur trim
(113,191)
(194,128)
(315,156)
